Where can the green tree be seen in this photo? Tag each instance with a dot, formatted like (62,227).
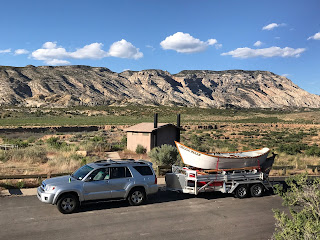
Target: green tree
(303,199)
(165,155)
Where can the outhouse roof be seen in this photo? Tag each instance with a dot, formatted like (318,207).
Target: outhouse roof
(147,127)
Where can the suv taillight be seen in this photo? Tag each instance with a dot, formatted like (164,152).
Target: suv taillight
(155,180)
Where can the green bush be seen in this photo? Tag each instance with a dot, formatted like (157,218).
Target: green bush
(313,151)
(3,156)
(97,139)
(166,155)
(303,198)
(54,142)
(140,149)
(292,149)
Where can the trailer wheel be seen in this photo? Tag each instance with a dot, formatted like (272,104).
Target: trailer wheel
(256,190)
(241,191)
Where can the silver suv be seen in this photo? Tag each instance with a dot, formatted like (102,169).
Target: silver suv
(104,179)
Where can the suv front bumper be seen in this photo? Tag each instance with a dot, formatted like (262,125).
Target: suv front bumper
(45,197)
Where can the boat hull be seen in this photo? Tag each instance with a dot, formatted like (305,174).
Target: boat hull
(209,161)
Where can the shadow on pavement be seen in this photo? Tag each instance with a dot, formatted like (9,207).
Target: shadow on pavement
(161,197)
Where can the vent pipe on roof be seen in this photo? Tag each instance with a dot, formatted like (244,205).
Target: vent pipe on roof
(155,121)
(178,128)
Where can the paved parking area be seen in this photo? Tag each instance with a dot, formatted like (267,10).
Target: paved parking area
(167,216)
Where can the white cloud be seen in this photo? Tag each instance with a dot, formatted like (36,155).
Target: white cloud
(185,43)
(49,45)
(315,37)
(124,49)
(52,54)
(151,47)
(91,51)
(273,25)
(21,51)
(218,45)
(265,52)
(56,62)
(285,75)
(5,50)
(257,44)
(212,41)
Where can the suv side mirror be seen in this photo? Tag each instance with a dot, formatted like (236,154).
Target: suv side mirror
(89,179)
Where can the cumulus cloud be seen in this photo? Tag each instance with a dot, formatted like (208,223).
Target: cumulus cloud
(265,52)
(91,51)
(124,49)
(185,43)
(5,50)
(21,51)
(212,41)
(257,44)
(52,54)
(56,62)
(273,25)
(315,37)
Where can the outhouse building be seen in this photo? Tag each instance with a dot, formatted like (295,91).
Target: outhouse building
(151,135)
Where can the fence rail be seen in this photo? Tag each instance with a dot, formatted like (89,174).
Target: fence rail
(8,146)
(38,176)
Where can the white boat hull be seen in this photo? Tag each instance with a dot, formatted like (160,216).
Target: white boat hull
(201,160)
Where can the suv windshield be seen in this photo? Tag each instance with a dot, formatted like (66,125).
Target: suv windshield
(81,172)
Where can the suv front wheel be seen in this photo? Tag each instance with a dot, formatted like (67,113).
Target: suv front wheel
(68,203)
(137,196)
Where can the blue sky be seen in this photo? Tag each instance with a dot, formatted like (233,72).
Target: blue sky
(278,36)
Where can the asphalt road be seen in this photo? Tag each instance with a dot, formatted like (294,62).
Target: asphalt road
(166,216)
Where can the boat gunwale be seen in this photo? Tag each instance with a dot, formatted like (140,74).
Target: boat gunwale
(222,152)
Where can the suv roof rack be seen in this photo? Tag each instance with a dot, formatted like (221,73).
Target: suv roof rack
(107,162)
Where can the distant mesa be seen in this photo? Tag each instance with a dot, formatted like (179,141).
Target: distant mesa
(75,85)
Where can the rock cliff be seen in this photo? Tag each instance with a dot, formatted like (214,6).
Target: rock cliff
(84,85)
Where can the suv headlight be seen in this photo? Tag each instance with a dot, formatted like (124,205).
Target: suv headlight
(50,188)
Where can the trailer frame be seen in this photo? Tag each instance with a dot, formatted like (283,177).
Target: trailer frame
(187,180)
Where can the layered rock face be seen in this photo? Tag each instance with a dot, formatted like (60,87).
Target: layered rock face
(83,85)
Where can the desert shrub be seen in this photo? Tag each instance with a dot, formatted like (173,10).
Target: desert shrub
(31,139)
(302,197)
(124,140)
(292,149)
(195,140)
(18,142)
(90,146)
(166,155)
(54,142)
(313,151)
(3,156)
(34,154)
(140,149)
(97,139)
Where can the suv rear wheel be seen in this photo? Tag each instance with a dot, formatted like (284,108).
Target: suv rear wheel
(137,196)
(68,203)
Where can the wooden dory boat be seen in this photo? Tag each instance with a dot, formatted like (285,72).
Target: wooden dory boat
(245,159)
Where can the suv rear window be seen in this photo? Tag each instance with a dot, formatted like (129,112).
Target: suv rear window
(143,170)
